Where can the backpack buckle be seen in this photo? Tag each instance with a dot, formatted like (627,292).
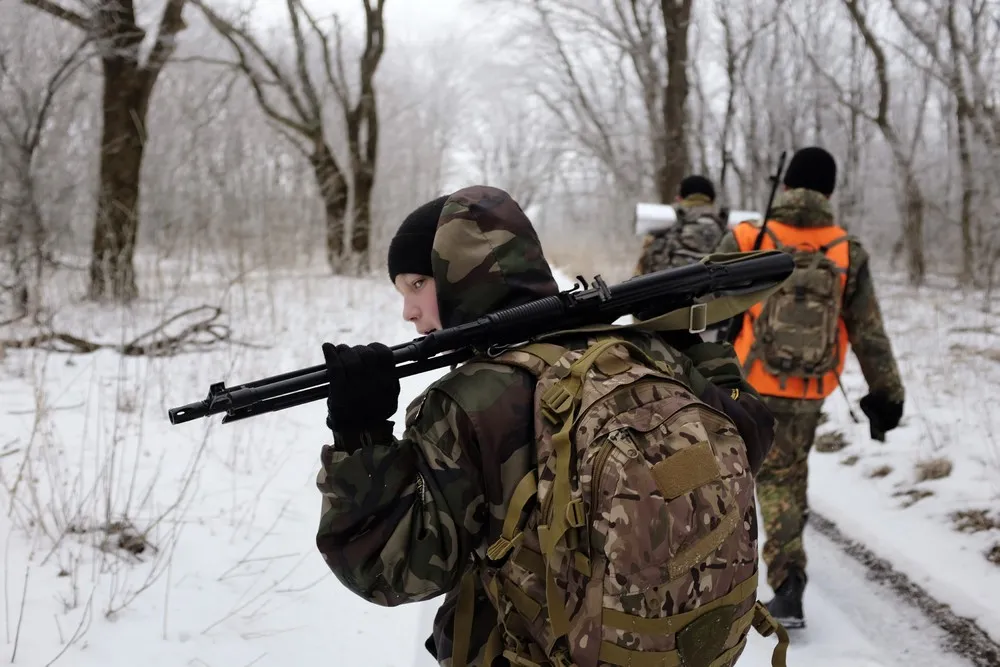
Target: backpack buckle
(557,400)
(575,514)
(698,318)
(499,549)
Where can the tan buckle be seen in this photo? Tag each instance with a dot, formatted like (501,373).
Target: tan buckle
(502,547)
(575,513)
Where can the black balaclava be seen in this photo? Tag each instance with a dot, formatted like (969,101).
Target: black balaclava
(410,248)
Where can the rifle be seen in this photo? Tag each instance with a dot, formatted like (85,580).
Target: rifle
(733,282)
(775,179)
(736,324)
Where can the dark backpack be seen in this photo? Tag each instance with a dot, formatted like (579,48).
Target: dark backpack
(796,332)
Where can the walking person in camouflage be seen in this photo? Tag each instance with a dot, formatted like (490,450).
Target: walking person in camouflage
(430,513)
(699,226)
(793,348)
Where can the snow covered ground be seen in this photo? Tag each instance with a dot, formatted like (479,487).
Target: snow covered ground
(130,540)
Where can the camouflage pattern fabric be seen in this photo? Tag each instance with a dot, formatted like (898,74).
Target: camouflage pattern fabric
(486,256)
(641,497)
(782,479)
(861,312)
(782,484)
(695,234)
(797,330)
(402,520)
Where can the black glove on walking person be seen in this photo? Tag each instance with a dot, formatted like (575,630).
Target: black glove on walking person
(883,414)
(364,389)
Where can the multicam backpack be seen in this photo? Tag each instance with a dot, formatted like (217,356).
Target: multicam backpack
(796,334)
(635,541)
(688,240)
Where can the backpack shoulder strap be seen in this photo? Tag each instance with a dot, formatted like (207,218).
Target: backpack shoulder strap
(837,241)
(774,238)
(533,357)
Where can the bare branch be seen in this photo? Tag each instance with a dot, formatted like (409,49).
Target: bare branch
(60,13)
(306,123)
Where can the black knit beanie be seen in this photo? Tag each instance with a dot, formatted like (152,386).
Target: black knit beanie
(812,168)
(697,185)
(410,248)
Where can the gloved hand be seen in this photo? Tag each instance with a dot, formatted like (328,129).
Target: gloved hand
(364,389)
(883,414)
(752,418)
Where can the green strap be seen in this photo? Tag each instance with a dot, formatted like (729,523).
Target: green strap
(765,625)
(562,400)
(695,317)
(462,627)
(547,352)
(510,534)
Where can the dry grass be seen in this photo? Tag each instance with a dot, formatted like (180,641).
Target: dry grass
(936,468)
(974,521)
(881,471)
(993,555)
(834,441)
(961,350)
(913,496)
(850,460)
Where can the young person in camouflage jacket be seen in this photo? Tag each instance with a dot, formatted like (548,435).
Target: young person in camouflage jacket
(803,217)
(404,518)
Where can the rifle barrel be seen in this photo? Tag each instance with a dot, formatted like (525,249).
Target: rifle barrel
(663,291)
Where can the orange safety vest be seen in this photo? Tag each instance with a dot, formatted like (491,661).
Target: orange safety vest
(801,237)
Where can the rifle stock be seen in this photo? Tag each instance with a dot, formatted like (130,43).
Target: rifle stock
(583,305)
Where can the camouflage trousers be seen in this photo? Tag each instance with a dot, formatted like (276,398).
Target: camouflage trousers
(782,483)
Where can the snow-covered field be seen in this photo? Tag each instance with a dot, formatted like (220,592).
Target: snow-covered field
(130,540)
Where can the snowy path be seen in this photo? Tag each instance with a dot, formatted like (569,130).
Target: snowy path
(236,579)
(852,622)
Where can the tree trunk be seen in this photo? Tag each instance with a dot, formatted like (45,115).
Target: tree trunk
(333,190)
(126,99)
(913,228)
(670,173)
(967,275)
(364,182)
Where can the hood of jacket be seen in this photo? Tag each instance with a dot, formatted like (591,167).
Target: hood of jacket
(486,256)
(800,207)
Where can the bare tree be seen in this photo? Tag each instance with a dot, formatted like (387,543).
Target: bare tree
(292,98)
(129,80)
(913,201)
(615,72)
(954,44)
(511,145)
(739,45)
(24,112)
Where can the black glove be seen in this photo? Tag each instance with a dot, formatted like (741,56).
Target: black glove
(883,414)
(752,418)
(364,389)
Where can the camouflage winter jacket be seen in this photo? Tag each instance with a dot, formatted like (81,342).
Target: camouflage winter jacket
(861,313)
(402,519)
(697,231)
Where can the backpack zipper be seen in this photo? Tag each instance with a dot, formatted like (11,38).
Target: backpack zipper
(547,505)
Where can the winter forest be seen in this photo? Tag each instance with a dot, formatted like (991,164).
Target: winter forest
(284,128)
(199,190)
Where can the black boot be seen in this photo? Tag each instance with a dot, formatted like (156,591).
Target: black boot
(786,606)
